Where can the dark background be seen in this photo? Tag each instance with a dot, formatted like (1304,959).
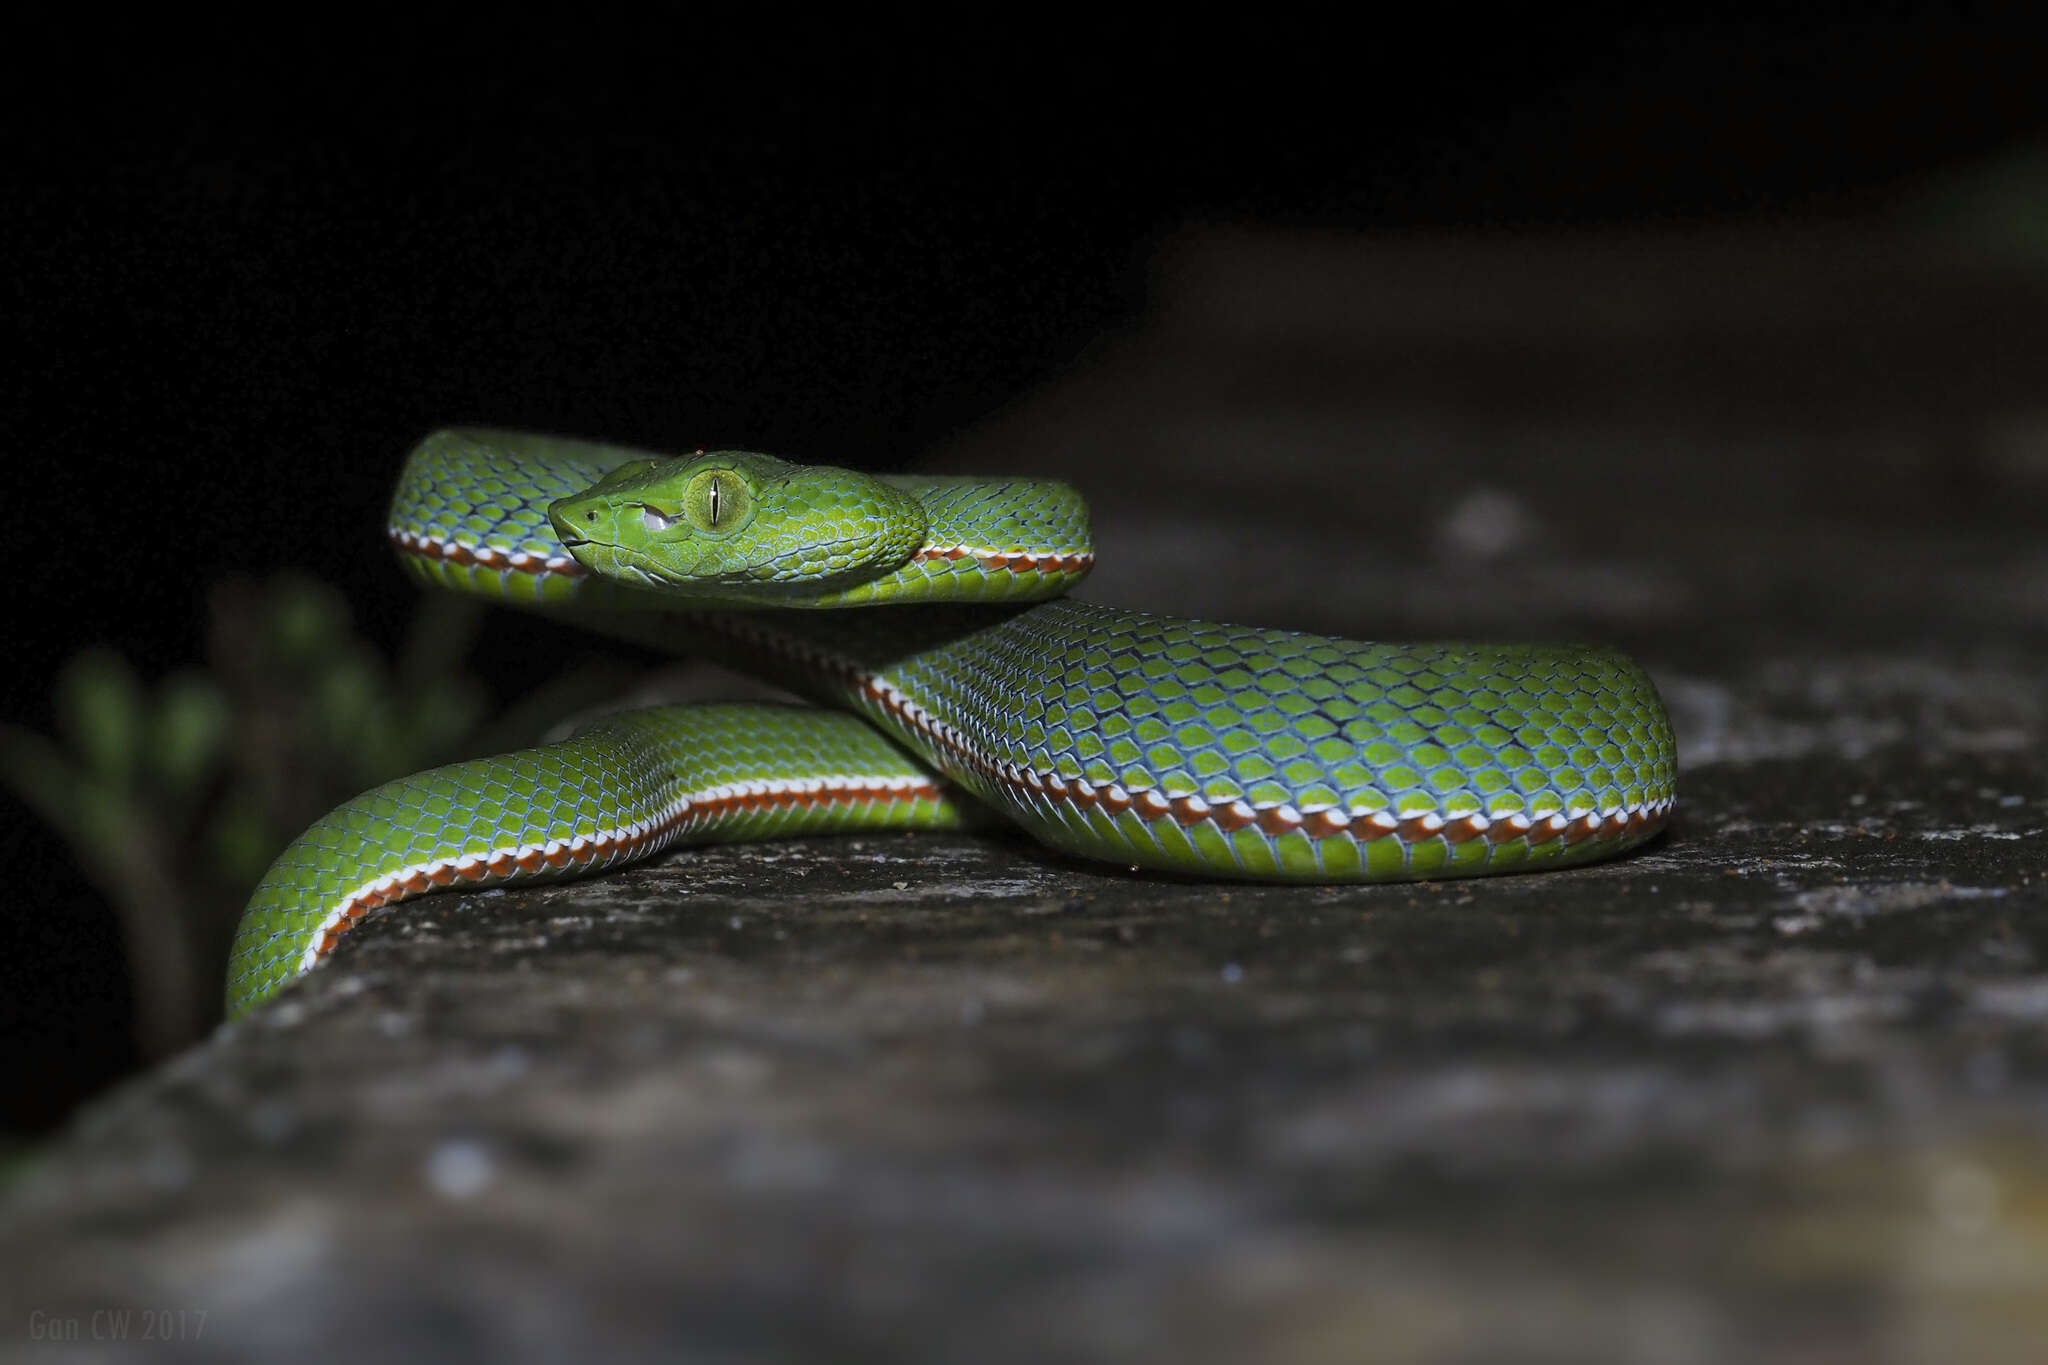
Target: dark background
(244,275)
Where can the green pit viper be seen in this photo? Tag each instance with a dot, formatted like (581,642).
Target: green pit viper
(963,681)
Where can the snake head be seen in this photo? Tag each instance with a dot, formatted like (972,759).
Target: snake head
(733,526)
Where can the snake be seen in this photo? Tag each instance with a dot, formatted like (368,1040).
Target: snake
(946,680)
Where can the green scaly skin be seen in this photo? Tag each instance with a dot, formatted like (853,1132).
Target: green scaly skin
(1185,746)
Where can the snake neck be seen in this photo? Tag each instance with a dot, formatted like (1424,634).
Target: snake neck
(843,658)
(921,676)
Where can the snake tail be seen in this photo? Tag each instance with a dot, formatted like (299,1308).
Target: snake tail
(625,787)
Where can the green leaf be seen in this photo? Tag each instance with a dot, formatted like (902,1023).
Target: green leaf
(100,714)
(43,776)
(190,731)
(241,840)
(309,621)
(98,819)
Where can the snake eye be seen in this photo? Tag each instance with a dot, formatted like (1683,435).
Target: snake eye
(718,502)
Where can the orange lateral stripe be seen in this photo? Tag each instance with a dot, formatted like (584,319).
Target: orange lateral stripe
(505,864)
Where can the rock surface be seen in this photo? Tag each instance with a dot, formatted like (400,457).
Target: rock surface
(1774,1089)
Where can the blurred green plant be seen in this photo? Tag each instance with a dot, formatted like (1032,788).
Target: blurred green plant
(1995,207)
(175,799)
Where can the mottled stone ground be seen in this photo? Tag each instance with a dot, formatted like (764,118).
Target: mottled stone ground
(1775,1089)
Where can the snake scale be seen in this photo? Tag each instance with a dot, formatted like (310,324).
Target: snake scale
(963,682)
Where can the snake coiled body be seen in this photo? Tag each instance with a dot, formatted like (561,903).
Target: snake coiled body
(1180,745)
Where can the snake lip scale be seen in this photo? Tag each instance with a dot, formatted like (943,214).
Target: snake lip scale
(489,556)
(926,612)
(521,561)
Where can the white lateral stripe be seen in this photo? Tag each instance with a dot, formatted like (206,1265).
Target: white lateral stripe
(622,835)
